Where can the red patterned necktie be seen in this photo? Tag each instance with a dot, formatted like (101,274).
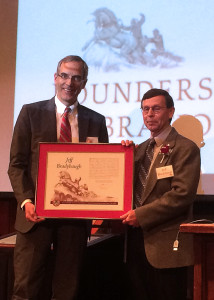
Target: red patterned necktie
(65,130)
(144,172)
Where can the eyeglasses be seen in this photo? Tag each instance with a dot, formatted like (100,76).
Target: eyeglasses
(75,78)
(156,109)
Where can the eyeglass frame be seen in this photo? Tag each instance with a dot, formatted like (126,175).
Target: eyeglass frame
(156,109)
(76,78)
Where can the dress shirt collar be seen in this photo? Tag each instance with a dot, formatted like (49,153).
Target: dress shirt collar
(160,139)
(60,107)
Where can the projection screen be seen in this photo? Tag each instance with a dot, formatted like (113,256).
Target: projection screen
(130,47)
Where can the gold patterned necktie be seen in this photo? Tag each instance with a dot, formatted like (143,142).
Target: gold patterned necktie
(143,173)
(65,129)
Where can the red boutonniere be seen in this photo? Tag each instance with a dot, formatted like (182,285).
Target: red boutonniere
(165,150)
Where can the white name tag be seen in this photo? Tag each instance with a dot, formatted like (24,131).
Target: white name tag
(164,172)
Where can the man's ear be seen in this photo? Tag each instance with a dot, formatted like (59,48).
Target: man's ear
(171,112)
(83,84)
(55,77)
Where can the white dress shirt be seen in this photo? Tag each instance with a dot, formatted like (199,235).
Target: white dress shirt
(72,117)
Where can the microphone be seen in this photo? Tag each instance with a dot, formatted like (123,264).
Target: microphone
(176,242)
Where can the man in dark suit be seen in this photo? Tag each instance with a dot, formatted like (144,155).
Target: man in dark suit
(41,122)
(157,264)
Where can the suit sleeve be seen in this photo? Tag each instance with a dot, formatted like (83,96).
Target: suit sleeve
(103,137)
(20,158)
(173,197)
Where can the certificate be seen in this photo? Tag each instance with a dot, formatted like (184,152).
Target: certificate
(92,181)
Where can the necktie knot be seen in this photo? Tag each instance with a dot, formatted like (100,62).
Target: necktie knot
(67,111)
(65,129)
(152,142)
(150,149)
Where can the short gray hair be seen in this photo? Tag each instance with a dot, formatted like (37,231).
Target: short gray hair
(70,58)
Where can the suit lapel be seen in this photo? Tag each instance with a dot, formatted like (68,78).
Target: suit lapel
(50,120)
(140,157)
(83,123)
(160,161)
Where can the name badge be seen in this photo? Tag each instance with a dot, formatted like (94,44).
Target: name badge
(164,172)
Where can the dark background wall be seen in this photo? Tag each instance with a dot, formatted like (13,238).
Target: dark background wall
(8,30)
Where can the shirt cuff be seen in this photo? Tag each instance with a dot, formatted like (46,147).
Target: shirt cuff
(24,202)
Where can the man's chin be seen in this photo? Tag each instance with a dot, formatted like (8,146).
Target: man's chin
(68,101)
(152,128)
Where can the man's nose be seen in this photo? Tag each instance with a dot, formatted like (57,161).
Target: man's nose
(69,81)
(150,111)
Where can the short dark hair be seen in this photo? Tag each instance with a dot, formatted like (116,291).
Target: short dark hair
(70,58)
(157,92)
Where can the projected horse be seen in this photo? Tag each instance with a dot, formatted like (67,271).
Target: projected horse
(109,31)
(115,45)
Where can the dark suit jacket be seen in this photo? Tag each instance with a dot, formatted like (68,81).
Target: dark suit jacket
(168,202)
(37,123)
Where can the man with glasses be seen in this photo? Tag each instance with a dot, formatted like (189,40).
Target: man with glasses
(45,121)
(167,170)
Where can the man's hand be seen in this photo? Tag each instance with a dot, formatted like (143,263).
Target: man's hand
(130,218)
(126,143)
(92,140)
(30,213)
